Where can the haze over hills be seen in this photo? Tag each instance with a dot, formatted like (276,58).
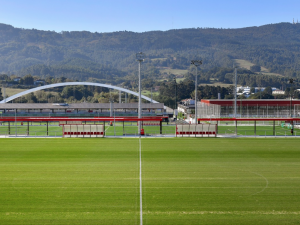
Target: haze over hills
(111,56)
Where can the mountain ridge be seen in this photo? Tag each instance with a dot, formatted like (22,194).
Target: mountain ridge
(274,46)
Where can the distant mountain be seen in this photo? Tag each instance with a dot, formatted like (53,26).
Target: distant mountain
(74,68)
(84,55)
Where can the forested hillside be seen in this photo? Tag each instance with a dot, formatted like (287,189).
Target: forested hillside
(103,55)
(266,56)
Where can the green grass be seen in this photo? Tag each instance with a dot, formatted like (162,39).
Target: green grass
(260,130)
(159,59)
(217,84)
(129,129)
(185,181)
(132,129)
(148,93)
(247,64)
(36,130)
(13,91)
(174,71)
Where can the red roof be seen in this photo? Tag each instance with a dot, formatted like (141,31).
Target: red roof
(55,119)
(249,119)
(252,102)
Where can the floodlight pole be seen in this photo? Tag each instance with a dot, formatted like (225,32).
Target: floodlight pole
(140,57)
(196,63)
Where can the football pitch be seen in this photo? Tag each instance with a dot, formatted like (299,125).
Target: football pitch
(260,130)
(184,181)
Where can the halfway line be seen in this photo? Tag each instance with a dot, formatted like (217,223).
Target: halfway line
(141,202)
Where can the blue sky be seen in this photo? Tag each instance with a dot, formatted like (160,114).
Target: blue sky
(144,15)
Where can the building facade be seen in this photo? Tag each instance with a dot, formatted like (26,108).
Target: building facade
(248,108)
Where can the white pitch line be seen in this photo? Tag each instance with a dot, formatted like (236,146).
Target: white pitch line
(141,200)
(106,129)
(267,183)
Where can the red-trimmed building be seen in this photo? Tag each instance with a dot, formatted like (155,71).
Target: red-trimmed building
(266,108)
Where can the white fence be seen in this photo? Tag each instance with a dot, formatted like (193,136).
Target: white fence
(83,130)
(196,130)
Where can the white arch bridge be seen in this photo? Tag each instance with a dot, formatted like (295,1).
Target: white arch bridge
(71,84)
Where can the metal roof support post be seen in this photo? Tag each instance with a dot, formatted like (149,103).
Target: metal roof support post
(160,127)
(235,127)
(103,128)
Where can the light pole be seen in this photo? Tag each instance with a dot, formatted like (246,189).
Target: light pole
(140,57)
(175,93)
(196,63)
(175,97)
(235,89)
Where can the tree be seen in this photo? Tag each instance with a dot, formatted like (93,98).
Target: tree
(268,90)
(242,96)
(27,80)
(255,68)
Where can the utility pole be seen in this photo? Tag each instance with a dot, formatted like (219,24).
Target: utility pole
(196,63)
(140,58)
